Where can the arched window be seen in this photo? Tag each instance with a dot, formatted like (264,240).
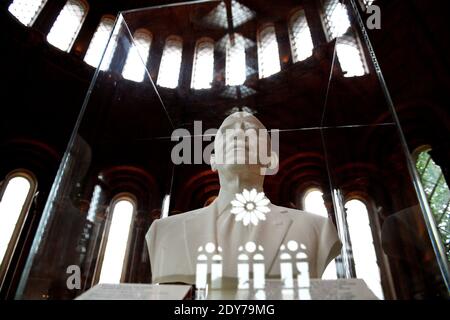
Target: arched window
(300,36)
(135,65)
(120,223)
(203,70)
(350,58)
(268,54)
(438,194)
(348,50)
(313,202)
(363,248)
(66,27)
(26,11)
(336,18)
(16,194)
(98,43)
(235,67)
(169,70)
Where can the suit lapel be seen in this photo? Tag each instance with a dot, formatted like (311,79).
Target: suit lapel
(272,233)
(199,229)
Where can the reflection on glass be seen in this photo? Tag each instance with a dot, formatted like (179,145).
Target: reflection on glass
(26,11)
(169,69)
(116,247)
(363,249)
(11,206)
(438,194)
(268,55)
(134,68)
(99,42)
(67,25)
(203,69)
(300,35)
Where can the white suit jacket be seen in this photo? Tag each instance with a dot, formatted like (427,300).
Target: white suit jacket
(173,242)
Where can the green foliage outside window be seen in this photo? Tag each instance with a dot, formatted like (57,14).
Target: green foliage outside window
(438,194)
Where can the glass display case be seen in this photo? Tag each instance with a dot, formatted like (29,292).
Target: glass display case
(140,151)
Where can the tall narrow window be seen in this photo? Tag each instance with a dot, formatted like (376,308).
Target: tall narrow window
(117,243)
(15,201)
(236,70)
(300,36)
(336,18)
(268,54)
(66,27)
(313,202)
(363,248)
(135,65)
(349,56)
(26,11)
(348,50)
(203,70)
(99,41)
(169,70)
(438,194)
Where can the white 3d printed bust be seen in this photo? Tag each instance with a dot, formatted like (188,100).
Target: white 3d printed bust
(240,215)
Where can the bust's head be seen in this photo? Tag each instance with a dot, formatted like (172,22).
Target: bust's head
(242,144)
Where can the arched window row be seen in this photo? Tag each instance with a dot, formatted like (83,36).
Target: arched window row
(70,19)
(360,233)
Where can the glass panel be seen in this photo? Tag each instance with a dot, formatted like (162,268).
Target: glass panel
(326,122)
(134,67)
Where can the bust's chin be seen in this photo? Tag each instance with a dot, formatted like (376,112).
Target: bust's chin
(240,168)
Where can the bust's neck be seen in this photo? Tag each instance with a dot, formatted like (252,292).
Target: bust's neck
(231,184)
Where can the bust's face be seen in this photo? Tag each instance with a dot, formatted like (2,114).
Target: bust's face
(239,142)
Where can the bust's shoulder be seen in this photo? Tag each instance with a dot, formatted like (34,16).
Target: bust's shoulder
(302,217)
(177,219)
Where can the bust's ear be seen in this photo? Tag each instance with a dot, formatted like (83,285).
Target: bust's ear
(212,162)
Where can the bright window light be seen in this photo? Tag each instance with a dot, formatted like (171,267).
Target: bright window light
(116,247)
(203,70)
(336,17)
(135,65)
(26,11)
(236,72)
(11,206)
(66,27)
(169,69)
(313,202)
(300,35)
(268,54)
(350,58)
(99,41)
(363,249)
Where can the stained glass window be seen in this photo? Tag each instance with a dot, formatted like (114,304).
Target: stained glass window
(99,42)
(203,69)
(268,54)
(26,11)
(169,69)
(300,35)
(135,65)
